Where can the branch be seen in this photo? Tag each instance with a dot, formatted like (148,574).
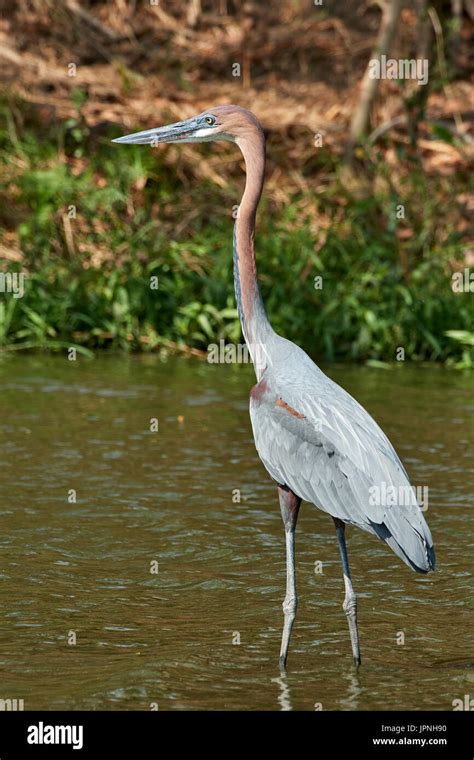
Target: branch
(369,86)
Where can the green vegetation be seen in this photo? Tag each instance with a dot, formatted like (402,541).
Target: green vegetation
(386,281)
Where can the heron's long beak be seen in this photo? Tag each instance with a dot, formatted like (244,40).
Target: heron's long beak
(181,131)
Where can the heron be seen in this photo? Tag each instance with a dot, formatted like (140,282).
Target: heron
(315,440)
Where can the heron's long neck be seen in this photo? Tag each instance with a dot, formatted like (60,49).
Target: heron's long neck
(255,325)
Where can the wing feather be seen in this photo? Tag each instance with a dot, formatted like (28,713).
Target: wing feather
(325,446)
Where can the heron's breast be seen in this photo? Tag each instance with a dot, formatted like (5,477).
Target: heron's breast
(258,392)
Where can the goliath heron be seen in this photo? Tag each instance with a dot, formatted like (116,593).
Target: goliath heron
(315,440)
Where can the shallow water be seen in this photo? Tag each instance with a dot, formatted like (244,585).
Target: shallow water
(168,638)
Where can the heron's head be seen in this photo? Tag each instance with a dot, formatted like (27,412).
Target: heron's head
(220,123)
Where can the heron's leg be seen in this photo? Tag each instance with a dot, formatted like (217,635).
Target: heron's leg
(350,600)
(289,505)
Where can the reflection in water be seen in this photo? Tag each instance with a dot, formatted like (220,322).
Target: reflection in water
(351,702)
(284,699)
(132,544)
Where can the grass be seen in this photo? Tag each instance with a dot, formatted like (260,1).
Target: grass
(123,250)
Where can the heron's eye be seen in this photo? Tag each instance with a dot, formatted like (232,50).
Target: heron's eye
(209,120)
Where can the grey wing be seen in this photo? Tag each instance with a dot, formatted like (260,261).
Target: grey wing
(325,446)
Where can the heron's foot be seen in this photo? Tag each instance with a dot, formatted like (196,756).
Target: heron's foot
(289,605)
(350,608)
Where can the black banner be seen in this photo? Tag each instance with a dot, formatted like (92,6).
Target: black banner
(149,734)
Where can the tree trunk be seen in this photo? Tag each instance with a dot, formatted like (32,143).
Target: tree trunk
(369,86)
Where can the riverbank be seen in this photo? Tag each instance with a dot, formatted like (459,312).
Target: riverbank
(130,249)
